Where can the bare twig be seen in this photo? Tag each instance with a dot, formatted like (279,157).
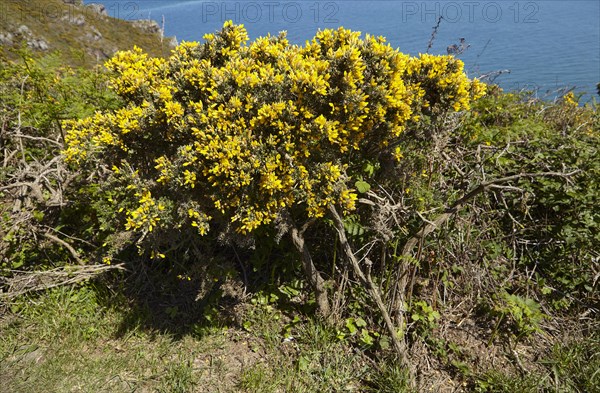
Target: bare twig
(434,33)
(66,245)
(371,287)
(427,228)
(39,138)
(35,189)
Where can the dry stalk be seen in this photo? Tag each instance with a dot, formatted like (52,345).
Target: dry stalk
(431,226)
(403,270)
(66,245)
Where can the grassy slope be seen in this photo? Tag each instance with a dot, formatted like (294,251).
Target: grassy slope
(54,22)
(86,340)
(77,340)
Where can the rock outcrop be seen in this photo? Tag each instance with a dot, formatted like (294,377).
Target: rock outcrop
(98,8)
(147,25)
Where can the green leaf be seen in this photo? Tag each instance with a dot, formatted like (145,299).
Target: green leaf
(350,326)
(38,215)
(17,264)
(384,343)
(366,338)
(362,186)
(360,322)
(369,169)
(303,363)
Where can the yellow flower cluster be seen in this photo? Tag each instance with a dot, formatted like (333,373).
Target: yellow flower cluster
(246,131)
(146,216)
(441,81)
(90,135)
(570,100)
(136,72)
(199,220)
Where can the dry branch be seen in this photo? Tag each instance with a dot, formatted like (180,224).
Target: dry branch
(312,273)
(431,226)
(371,287)
(26,282)
(66,245)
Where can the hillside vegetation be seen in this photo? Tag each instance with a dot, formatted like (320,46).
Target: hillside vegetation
(81,35)
(263,217)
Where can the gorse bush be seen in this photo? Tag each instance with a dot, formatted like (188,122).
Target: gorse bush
(245,134)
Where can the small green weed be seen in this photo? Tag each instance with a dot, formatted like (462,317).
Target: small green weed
(424,316)
(522,315)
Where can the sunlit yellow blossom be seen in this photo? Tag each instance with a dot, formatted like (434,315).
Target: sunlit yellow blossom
(348,199)
(243,132)
(570,100)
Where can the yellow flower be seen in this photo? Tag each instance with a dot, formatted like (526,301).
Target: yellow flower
(570,100)
(261,126)
(189,178)
(348,199)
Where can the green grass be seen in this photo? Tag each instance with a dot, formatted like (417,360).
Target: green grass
(570,367)
(66,341)
(86,339)
(313,361)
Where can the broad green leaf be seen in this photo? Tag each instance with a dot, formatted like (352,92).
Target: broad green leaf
(362,186)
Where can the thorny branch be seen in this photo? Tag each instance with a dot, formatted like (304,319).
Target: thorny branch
(33,183)
(26,282)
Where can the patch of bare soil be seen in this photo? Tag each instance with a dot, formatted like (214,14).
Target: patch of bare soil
(469,349)
(220,370)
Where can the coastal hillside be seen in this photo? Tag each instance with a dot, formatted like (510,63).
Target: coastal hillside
(82,35)
(257,216)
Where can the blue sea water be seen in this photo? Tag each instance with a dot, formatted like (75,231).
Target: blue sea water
(543,45)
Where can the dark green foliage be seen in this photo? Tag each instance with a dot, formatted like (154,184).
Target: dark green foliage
(523,252)
(553,222)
